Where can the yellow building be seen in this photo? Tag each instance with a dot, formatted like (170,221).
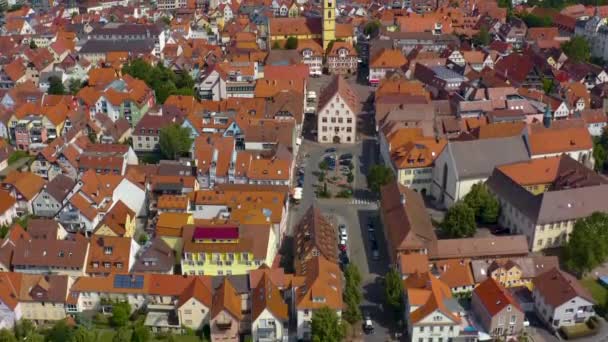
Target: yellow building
(227,250)
(119,222)
(329,22)
(513,272)
(169,228)
(535,175)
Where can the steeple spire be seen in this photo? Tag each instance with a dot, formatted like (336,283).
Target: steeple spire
(547,117)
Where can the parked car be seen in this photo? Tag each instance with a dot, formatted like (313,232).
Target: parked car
(342,228)
(372,236)
(345,162)
(499,230)
(368,326)
(346,156)
(330,150)
(371,227)
(375,251)
(342,248)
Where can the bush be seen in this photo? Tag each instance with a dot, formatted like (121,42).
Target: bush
(345,194)
(17,155)
(579,330)
(100,319)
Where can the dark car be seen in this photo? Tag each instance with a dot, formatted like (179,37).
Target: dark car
(345,162)
(346,156)
(499,230)
(372,236)
(330,150)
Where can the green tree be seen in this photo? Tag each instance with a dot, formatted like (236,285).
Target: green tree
(532,20)
(174,141)
(352,294)
(577,49)
(587,246)
(372,28)
(350,177)
(123,334)
(484,204)
(74,86)
(326,326)
(33,45)
(323,165)
(393,292)
(599,155)
(60,332)
(140,334)
(378,176)
(162,80)
(548,85)
(166,20)
(24,328)
(483,37)
(82,334)
(459,221)
(56,86)
(7,336)
(291,43)
(120,314)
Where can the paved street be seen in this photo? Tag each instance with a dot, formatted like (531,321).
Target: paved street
(354,212)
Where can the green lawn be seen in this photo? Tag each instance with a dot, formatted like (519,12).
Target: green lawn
(105,335)
(599,292)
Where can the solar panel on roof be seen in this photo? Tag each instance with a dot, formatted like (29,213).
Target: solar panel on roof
(128,282)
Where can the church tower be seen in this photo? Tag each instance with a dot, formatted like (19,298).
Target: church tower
(329,22)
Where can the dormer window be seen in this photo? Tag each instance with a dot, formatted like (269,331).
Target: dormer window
(107,250)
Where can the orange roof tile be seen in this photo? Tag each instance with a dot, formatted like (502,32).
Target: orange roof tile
(533,172)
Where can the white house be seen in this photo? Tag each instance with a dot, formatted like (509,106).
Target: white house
(337,114)
(431,311)
(560,300)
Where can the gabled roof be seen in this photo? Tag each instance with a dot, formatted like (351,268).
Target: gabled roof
(315,232)
(339,86)
(226,299)
(494,297)
(266,296)
(408,226)
(322,285)
(558,287)
(197,290)
(429,294)
(27,184)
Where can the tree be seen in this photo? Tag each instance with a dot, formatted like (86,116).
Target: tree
(393,291)
(174,141)
(599,155)
(548,85)
(483,37)
(326,326)
(56,86)
(532,20)
(459,221)
(74,86)
(24,328)
(7,336)
(372,28)
(123,334)
(166,20)
(82,334)
(140,334)
(352,294)
(33,45)
(162,80)
(378,176)
(587,246)
(291,43)
(60,332)
(484,204)
(120,314)
(577,49)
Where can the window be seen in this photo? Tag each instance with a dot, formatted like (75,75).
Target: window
(539,242)
(187,312)
(107,250)
(513,319)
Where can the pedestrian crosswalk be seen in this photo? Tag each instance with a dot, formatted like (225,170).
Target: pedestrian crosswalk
(363,201)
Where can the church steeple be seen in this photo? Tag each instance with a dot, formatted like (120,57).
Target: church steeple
(329,22)
(547,117)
